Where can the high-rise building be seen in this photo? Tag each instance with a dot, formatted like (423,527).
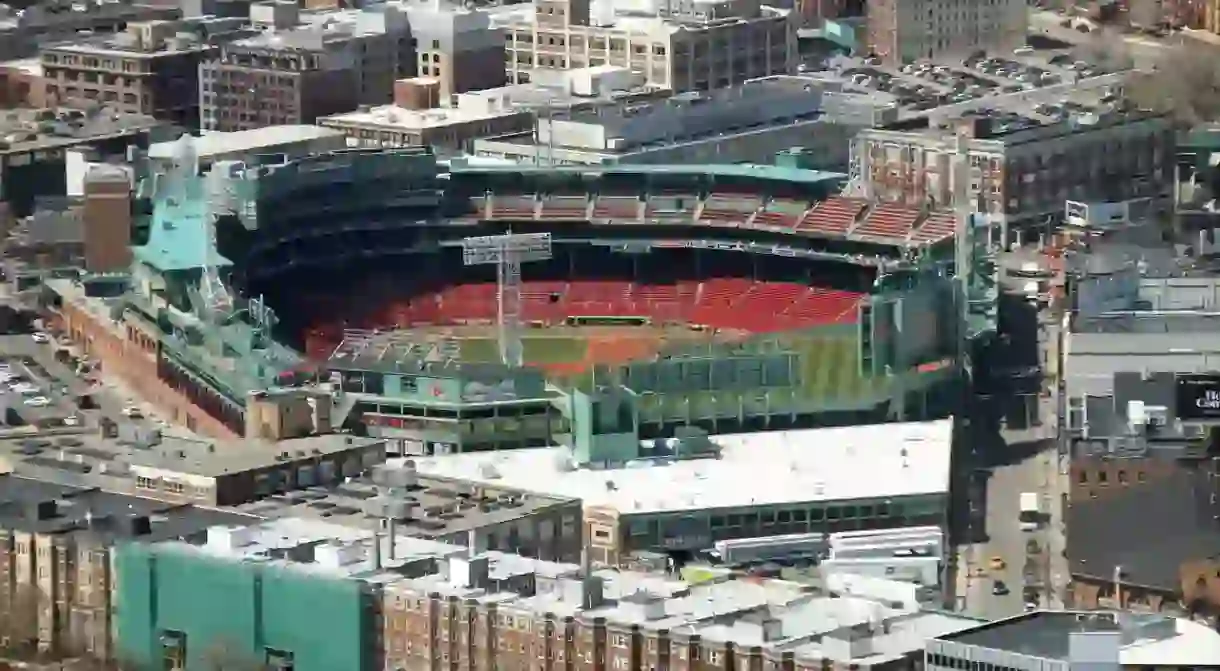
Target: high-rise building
(683,46)
(305,66)
(902,31)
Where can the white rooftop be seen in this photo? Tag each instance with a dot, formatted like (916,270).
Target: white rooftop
(1196,645)
(409,119)
(753,469)
(218,142)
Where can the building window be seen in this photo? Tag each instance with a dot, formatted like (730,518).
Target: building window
(173,650)
(279,660)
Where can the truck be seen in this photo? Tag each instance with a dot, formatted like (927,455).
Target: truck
(1031,513)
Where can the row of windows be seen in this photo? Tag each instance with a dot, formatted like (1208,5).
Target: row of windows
(947,662)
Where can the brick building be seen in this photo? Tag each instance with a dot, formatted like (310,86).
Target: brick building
(152,68)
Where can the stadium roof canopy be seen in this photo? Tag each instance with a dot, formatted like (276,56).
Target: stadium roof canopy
(731,170)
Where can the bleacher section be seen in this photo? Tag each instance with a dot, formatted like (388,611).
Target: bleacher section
(833,216)
(886,221)
(781,213)
(841,217)
(731,208)
(935,228)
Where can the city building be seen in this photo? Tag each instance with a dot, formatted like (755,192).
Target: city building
(304,66)
(680,46)
(904,31)
(456,45)
(41,243)
(533,525)
(208,473)
(51,21)
(399,602)
(55,551)
(684,498)
(22,84)
(36,141)
(1114,563)
(456,127)
(751,122)
(1061,640)
(152,68)
(1029,157)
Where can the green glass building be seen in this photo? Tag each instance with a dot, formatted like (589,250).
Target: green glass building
(182,607)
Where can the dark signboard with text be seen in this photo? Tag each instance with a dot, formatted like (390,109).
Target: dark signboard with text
(1198,397)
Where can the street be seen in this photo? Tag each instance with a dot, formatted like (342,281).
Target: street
(1021,411)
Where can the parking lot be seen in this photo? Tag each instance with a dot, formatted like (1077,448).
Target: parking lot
(923,86)
(46,386)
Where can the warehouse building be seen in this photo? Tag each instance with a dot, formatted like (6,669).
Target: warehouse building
(682,499)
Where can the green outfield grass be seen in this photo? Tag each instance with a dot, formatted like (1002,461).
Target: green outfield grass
(541,349)
(830,365)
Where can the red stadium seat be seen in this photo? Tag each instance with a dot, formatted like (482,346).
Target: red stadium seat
(888,221)
(937,227)
(833,216)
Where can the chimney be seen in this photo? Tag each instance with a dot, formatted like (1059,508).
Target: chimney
(377,551)
(472,543)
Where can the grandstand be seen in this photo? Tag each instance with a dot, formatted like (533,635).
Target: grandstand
(761,285)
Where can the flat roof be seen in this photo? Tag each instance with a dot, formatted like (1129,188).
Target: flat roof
(1147,639)
(211,144)
(393,116)
(753,469)
(29,66)
(1148,528)
(89,510)
(33,129)
(173,455)
(441,507)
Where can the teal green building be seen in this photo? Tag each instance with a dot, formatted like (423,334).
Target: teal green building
(182,607)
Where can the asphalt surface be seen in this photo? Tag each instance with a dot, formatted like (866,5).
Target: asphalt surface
(1144,51)
(1015,451)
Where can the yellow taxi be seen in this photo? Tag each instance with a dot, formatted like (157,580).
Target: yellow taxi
(997,564)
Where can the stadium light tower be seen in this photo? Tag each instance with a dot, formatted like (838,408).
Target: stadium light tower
(507,252)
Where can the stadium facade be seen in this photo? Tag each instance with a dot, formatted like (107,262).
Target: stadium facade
(769,301)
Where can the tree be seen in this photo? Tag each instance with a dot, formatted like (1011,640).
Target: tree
(1185,83)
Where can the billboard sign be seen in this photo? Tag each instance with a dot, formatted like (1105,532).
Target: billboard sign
(1197,397)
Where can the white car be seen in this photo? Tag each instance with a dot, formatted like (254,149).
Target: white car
(41,338)
(38,401)
(132,412)
(71,420)
(23,388)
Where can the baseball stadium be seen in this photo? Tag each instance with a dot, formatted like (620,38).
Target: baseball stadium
(461,307)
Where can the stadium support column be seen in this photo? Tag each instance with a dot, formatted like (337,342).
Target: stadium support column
(507,252)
